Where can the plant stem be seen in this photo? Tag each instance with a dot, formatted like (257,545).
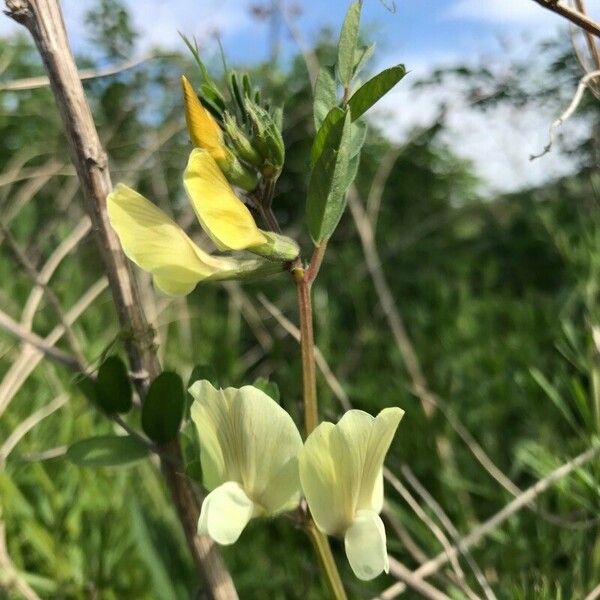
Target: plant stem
(304,279)
(307,349)
(326,561)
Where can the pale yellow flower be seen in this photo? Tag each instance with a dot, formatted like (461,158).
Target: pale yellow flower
(341,471)
(248,451)
(154,242)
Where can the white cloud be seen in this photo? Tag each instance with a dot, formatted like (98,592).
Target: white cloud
(158,22)
(501,11)
(498,141)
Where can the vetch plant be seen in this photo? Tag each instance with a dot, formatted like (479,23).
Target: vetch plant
(254,463)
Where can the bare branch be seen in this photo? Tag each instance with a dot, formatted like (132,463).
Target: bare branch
(568,113)
(328,374)
(28,424)
(44,21)
(449,526)
(521,501)
(31,83)
(25,335)
(579,19)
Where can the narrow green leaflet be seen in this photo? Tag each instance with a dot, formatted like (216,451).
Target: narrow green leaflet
(328,182)
(362,56)
(374,89)
(163,407)
(358,134)
(347,45)
(334,117)
(325,96)
(113,387)
(106,451)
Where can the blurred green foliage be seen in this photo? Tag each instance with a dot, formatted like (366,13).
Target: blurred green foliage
(499,296)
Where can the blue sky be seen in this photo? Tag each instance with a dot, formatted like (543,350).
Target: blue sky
(422,34)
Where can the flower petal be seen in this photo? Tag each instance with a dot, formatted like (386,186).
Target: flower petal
(365,545)
(203,129)
(209,413)
(318,476)
(157,244)
(221,213)
(225,512)
(269,443)
(381,435)
(245,436)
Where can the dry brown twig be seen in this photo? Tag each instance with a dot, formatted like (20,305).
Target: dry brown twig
(44,21)
(568,113)
(523,500)
(450,528)
(32,83)
(10,579)
(577,18)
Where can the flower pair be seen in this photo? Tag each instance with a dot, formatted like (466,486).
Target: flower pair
(255,464)
(153,241)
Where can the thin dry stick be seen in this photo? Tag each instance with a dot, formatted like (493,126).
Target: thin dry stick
(30,356)
(589,38)
(43,19)
(10,579)
(579,19)
(365,232)
(408,578)
(53,300)
(449,526)
(329,376)
(48,269)
(379,182)
(423,516)
(16,329)
(595,593)
(28,424)
(32,83)
(568,113)
(521,501)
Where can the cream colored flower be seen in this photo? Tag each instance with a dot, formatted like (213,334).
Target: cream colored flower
(248,451)
(341,475)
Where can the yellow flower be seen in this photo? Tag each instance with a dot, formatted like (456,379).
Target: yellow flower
(248,451)
(155,243)
(341,475)
(221,213)
(202,126)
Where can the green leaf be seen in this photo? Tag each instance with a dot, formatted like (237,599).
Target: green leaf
(325,96)
(106,451)
(326,199)
(358,134)
(374,89)
(347,45)
(268,387)
(87,386)
(362,56)
(113,387)
(333,118)
(163,407)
